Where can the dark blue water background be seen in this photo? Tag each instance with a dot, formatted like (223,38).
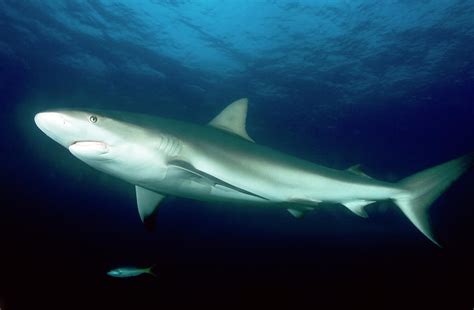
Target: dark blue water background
(386,85)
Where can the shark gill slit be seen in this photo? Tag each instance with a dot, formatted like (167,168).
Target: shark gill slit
(169,145)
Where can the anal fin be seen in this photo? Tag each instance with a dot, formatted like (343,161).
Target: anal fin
(357,207)
(300,209)
(298,213)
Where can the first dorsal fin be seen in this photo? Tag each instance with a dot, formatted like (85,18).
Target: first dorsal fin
(233,119)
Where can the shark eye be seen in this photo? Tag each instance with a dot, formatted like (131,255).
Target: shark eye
(93,119)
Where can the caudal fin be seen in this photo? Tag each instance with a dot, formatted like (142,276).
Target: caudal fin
(425,187)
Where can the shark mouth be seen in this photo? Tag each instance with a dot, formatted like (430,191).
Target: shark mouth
(92,147)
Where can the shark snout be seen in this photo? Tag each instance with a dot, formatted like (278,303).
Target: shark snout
(47,121)
(55,125)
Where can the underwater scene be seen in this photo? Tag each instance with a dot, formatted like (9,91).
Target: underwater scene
(237,154)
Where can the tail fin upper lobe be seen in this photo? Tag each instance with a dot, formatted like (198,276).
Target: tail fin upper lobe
(425,187)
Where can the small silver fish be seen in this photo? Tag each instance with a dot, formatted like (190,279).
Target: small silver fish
(126,272)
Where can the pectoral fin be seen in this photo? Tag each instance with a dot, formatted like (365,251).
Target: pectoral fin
(148,202)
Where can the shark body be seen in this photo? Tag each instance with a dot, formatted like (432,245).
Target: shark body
(220,162)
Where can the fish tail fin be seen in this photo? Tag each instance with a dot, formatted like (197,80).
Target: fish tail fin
(150,271)
(425,187)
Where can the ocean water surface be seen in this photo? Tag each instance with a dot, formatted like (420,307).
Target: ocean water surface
(388,85)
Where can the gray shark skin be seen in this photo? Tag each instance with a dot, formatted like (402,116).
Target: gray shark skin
(220,162)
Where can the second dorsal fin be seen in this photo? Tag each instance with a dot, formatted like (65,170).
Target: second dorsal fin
(356,169)
(233,119)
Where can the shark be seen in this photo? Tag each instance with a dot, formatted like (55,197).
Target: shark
(219,161)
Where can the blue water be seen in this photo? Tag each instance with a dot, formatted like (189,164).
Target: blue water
(388,85)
